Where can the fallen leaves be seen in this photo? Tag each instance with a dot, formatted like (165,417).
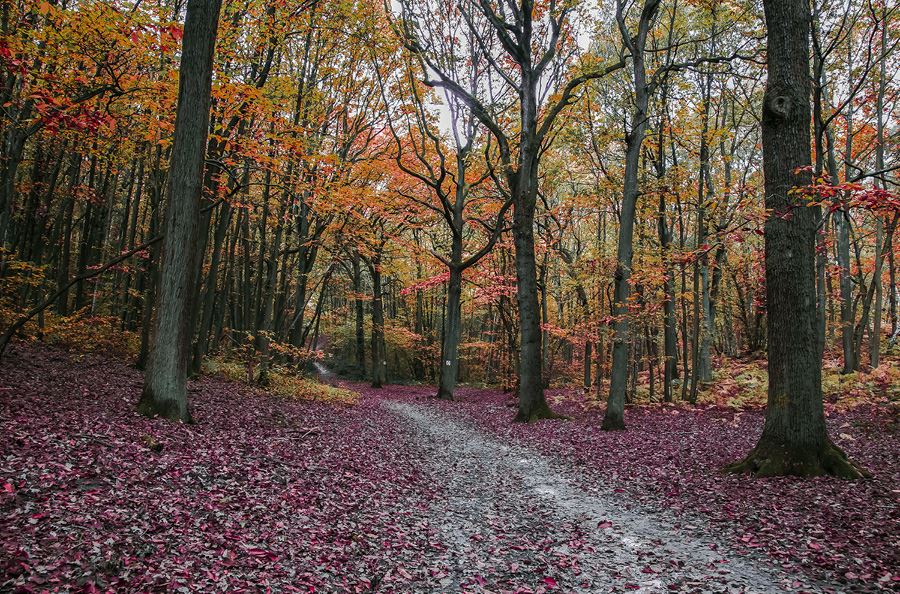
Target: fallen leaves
(264,492)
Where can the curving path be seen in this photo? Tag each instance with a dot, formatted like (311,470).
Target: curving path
(515,521)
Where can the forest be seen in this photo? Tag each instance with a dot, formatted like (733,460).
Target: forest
(449,295)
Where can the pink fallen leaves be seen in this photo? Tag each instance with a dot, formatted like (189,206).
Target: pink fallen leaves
(239,502)
(235,502)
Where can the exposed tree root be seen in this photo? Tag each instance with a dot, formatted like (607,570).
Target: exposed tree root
(541,412)
(167,409)
(768,459)
(445,395)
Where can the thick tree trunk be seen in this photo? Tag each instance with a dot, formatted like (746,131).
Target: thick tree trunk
(452,331)
(532,404)
(795,439)
(165,385)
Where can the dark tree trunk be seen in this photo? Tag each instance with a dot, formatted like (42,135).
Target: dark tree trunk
(379,357)
(360,320)
(795,439)
(532,404)
(452,331)
(670,338)
(201,347)
(165,385)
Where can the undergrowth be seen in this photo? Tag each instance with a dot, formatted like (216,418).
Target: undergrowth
(282,381)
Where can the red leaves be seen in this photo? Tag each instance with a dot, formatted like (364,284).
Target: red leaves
(235,502)
(254,552)
(428,283)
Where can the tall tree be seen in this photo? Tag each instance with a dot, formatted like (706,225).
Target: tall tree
(530,49)
(795,439)
(634,139)
(447,173)
(165,382)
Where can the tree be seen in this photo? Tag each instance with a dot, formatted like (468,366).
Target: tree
(165,381)
(530,50)
(634,139)
(446,172)
(795,439)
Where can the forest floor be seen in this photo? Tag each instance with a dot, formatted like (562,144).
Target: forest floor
(401,493)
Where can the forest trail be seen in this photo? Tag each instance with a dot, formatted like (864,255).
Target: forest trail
(502,497)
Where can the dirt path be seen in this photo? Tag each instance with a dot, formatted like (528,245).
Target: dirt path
(515,519)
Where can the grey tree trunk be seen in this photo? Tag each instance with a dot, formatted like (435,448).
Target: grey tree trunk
(615,406)
(165,382)
(795,439)
(878,309)
(379,356)
(532,404)
(451,336)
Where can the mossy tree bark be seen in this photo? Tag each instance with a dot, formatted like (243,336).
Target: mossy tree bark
(795,439)
(165,383)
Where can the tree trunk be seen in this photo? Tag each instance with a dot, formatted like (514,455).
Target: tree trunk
(208,298)
(795,439)
(379,357)
(532,404)
(875,339)
(165,385)
(670,338)
(452,331)
(359,315)
(634,139)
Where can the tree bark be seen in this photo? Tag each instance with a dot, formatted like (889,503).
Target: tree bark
(379,357)
(165,384)
(615,406)
(875,339)
(795,439)
(452,331)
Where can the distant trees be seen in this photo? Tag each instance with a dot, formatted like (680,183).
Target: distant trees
(165,379)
